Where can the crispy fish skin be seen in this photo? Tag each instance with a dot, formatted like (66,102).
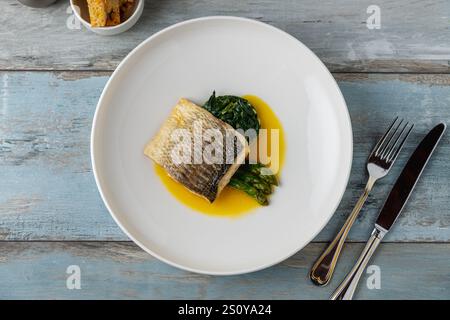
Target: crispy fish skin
(204,179)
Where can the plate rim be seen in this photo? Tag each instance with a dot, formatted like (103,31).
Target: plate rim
(99,106)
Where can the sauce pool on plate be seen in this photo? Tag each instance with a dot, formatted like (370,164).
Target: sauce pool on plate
(230,202)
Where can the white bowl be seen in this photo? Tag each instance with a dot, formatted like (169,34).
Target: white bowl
(232,56)
(80,5)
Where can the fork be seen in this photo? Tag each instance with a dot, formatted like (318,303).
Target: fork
(379,163)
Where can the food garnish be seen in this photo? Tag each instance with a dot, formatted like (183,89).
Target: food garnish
(249,179)
(235,111)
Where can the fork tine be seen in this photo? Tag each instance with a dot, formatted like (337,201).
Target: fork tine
(386,147)
(376,149)
(394,144)
(401,144)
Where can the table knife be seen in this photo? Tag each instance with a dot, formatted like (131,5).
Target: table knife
(391,210)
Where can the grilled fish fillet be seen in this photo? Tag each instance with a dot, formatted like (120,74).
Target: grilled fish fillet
(208,178)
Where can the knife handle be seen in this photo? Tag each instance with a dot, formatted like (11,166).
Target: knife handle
(347,288)
(323,268)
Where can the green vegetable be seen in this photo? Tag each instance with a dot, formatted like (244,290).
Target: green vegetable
(249,179)
(249,189)
(235,111)
(257,181)
(264,173)
(254,179)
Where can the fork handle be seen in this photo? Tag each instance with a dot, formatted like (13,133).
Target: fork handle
(347,288)
(323,268)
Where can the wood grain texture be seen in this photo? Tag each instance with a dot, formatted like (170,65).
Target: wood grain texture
(123,271)
(47,190)
(414,35)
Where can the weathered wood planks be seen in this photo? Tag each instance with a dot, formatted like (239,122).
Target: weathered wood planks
(414,35)
(32,270)
(47,190)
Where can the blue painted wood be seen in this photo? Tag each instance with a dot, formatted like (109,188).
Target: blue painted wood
(47,187)
(47,191)
(31,270)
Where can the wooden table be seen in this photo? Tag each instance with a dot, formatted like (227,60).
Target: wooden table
(51,215)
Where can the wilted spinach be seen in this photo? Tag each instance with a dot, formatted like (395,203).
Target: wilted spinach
(235,111)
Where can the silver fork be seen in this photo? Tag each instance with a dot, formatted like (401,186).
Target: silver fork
(379,163)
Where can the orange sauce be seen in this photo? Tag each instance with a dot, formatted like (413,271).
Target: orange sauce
(230,202)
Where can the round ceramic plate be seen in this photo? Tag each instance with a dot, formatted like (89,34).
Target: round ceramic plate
(232,56)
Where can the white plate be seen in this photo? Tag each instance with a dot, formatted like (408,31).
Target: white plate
(232,56)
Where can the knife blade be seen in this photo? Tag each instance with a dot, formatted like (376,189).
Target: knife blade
(392,208)
(407,180)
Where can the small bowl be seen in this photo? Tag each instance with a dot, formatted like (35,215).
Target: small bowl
(81,11)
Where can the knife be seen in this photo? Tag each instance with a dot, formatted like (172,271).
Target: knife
(391,210)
